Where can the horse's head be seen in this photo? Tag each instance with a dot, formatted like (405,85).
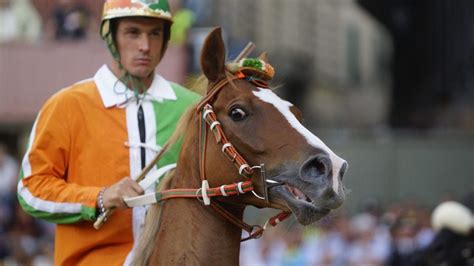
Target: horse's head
(306,175)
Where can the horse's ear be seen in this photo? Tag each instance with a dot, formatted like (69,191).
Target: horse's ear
(213,56)
(263,56)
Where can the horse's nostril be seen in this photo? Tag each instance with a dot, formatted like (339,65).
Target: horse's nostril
(319,167)
(343,170)
(315,167)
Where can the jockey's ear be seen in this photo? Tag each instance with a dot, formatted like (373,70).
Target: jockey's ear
(263,56)
(213,56)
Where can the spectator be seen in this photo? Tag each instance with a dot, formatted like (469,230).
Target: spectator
(20,21)
(202,10)
(404,244)
(293,254)
(328,246)
(23,238)
(183,19)
(70,21)
(370,246)
(8,174)
(453,242)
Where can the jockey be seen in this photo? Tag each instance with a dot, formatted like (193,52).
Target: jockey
(91,140)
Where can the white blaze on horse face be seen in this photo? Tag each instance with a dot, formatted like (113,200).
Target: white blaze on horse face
(283,106)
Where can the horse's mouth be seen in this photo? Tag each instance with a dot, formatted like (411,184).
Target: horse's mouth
(298,194)
(304,208)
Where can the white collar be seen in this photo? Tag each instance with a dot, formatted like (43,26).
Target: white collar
(114,92)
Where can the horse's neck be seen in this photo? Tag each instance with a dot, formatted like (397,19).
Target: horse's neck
(191,233)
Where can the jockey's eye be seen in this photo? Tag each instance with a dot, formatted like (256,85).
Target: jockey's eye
(237,114)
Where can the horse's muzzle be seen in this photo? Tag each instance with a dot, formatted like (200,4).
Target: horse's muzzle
(326,180)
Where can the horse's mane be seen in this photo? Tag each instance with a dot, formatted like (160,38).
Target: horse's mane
(152,222)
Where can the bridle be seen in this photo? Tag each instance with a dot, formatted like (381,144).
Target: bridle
(208,119)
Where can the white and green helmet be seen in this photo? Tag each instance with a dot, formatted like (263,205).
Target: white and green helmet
(114,9)
(133,8)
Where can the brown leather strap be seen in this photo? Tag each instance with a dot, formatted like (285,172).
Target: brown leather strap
(229,190)
(229,150)
(214,90)
(231,218)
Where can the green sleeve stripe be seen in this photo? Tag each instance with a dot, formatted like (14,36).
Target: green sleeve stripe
(87,213)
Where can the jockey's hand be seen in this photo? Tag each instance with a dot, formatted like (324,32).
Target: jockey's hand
(125,188)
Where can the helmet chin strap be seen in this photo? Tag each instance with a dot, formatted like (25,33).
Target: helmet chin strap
(131,82)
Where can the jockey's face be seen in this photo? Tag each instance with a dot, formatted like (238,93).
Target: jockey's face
(139,41)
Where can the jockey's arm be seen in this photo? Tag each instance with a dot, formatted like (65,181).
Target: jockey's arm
(43,189)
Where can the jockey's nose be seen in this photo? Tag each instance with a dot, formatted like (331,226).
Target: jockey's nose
(144,43)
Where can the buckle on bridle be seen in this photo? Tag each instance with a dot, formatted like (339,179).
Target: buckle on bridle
(266,183)
(256,232)
(263,180)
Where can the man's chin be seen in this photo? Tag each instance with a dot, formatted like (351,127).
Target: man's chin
(143,75)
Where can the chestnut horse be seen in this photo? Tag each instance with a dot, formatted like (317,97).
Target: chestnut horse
(253,126)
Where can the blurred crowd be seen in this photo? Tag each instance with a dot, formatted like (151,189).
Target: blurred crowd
(70,20)
(23,239)
(394,235)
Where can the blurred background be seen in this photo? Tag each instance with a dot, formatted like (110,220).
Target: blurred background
(388,85)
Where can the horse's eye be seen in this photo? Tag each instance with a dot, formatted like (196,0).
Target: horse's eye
(237,114)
